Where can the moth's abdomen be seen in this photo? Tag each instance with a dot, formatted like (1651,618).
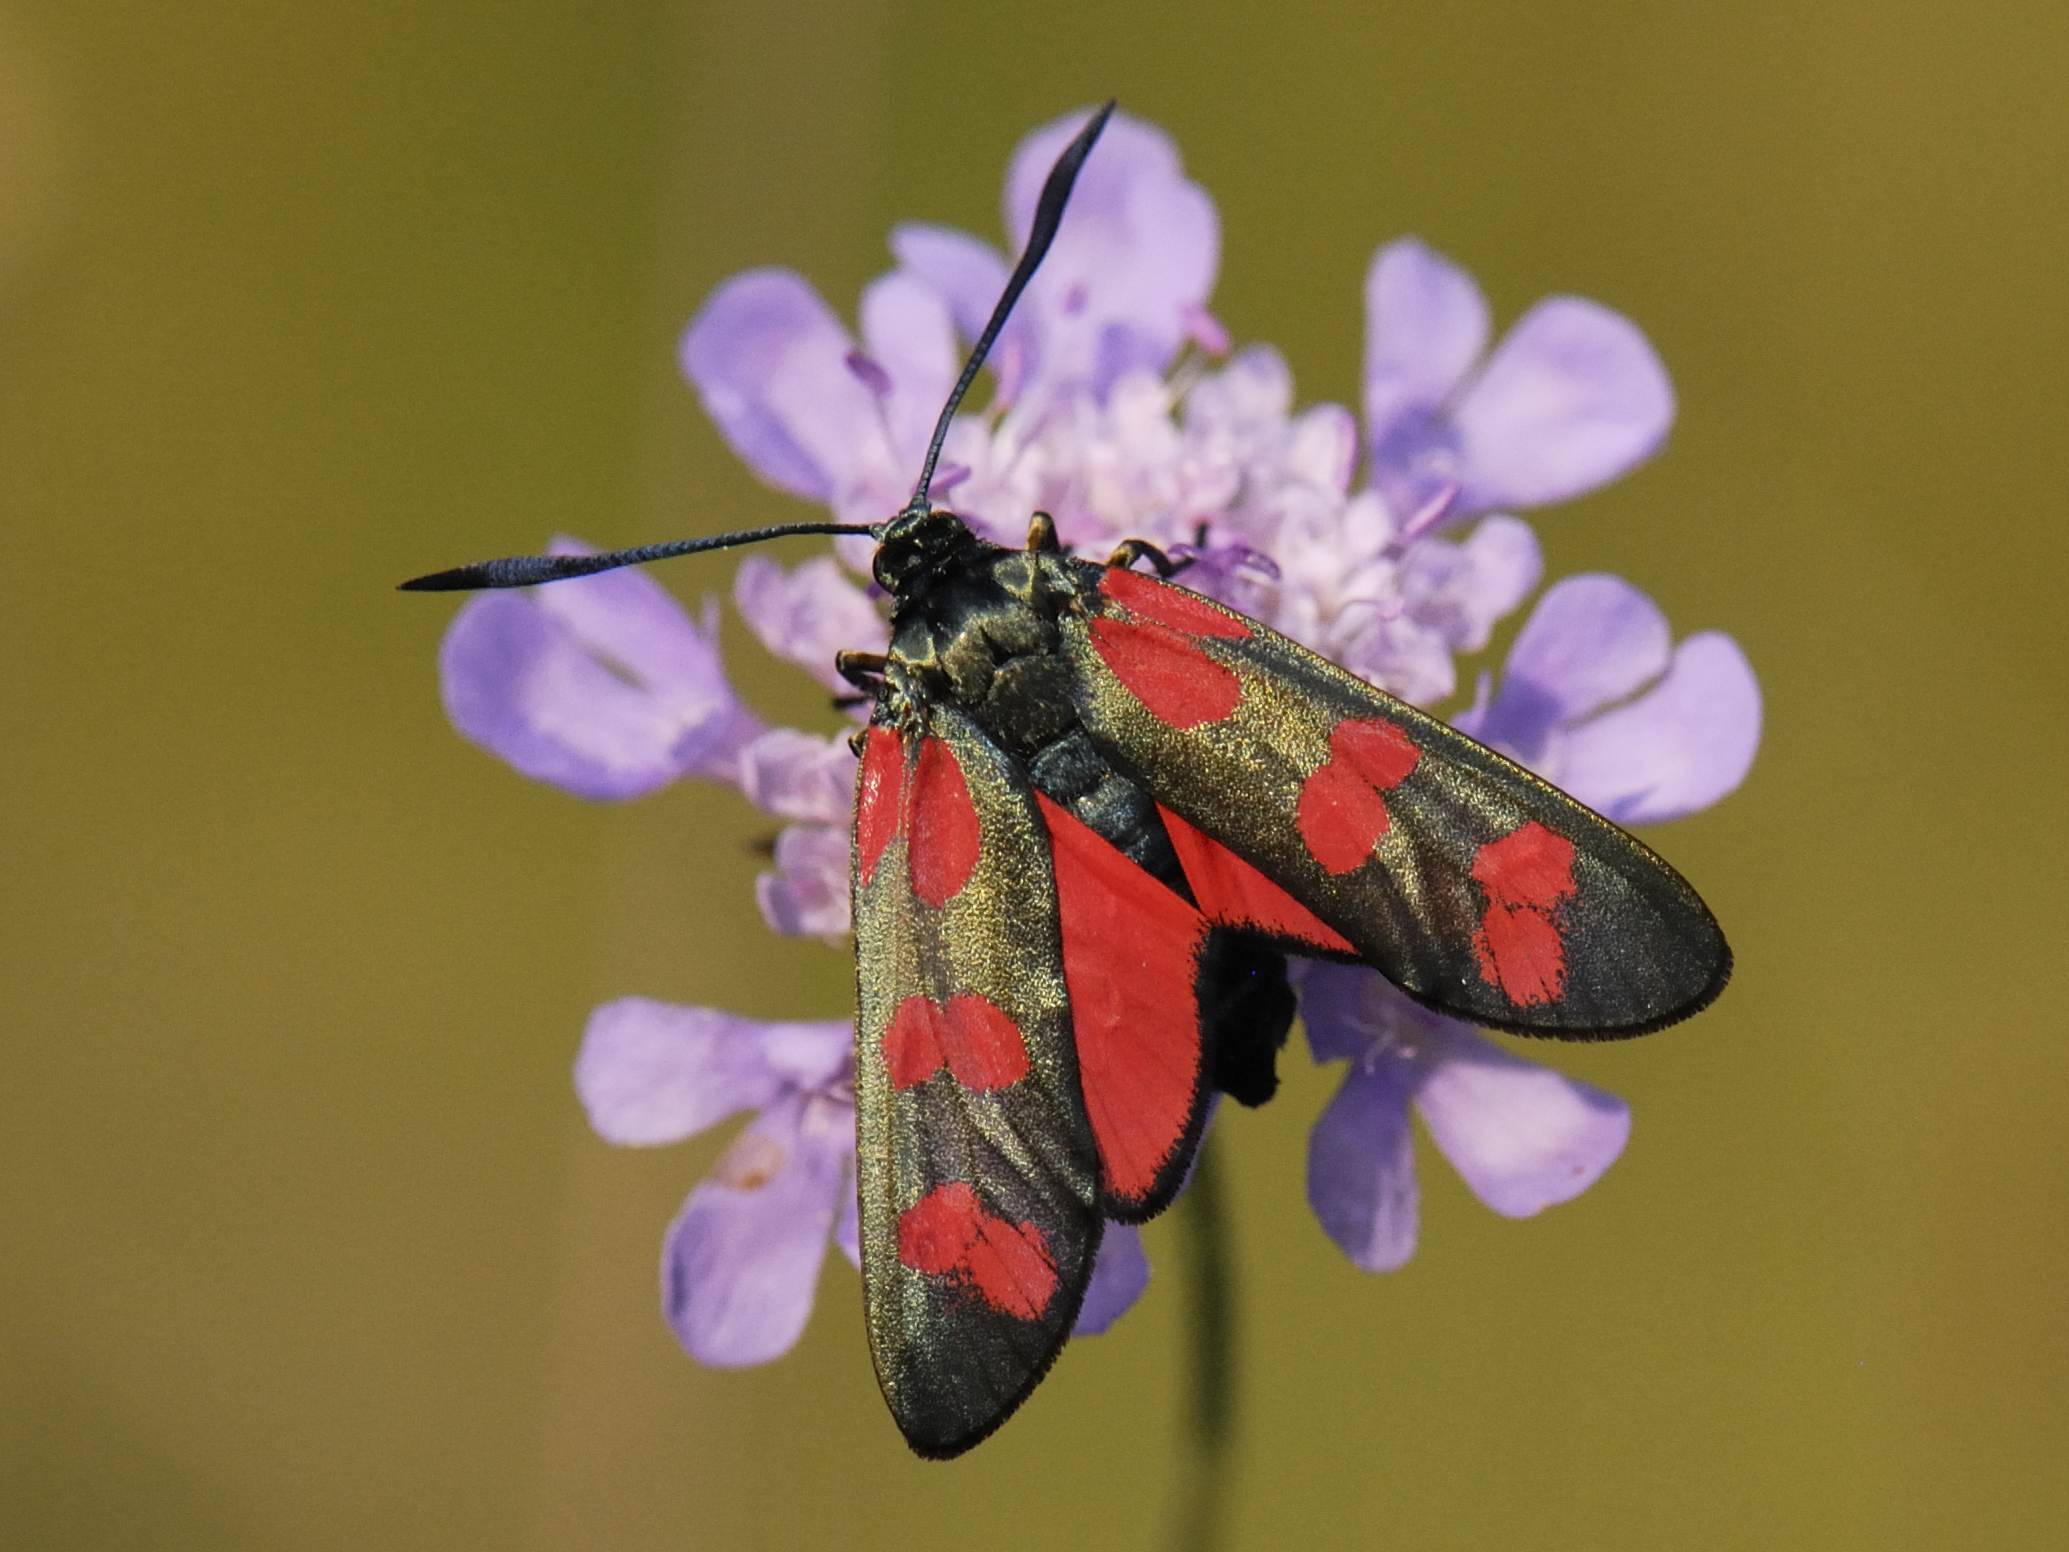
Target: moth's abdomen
(1071,772)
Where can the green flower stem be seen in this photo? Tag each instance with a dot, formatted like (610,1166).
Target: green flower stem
(1204,1469)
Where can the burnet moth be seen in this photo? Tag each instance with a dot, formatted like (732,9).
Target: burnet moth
(1094,815)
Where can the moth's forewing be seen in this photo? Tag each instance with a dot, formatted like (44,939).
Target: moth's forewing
(1476,887)
(978,1174)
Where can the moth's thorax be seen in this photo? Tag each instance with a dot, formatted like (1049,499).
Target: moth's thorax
(973,624)
(985,634)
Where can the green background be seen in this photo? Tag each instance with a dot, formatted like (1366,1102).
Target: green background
(305,1241)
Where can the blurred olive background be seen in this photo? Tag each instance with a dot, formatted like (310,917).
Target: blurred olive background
(306,1243)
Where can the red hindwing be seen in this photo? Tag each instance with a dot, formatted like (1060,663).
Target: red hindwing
(1234,894)
(1131,954)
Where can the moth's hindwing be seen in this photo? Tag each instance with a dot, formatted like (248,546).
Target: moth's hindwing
(1132,955)
(978,1172)
(1349,820)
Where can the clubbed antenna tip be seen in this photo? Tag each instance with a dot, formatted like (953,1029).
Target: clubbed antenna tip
(531,570)
(1047,217)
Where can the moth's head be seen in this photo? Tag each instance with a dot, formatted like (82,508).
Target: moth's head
(915,543)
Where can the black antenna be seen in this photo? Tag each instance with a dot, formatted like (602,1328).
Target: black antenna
(1047,217)
(531,570)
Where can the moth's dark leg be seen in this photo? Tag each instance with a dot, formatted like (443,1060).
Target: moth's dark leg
(855,741)
(1041,533)
(865,671)
(1129,551)
(861,669)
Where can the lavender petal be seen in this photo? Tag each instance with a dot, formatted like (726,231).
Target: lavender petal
(1322,448)
(1425,326)
(808,613)
(907,329)
(1402,655)
(847,1229)
(1523,1136)
(628,618)
(1119,1275)
(1572,398)
(1591,640)
(519,680)
(1344,1009)
(965,272)
(1136,257)
(1459,590)
(769,360)
(654,1072)
(1504,562)
(1248,398)
(796,775)
(1678,748)
(806,895)
(740,1265)
(1361,1165)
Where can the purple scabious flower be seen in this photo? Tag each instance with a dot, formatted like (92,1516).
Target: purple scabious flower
(1385,541)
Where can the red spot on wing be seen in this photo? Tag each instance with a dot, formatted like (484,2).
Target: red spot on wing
(1340,812)
(969,1035)
(1131,952)
(934,1233)
(1521,952)
(1010,1266)
(912,1043)
(1529,867)
(1527,875)
(1341,817)
(1164,670)
(879,798)
(941,851)
(1376,749)
(949,1233)
(1234,893)
(1167,605)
